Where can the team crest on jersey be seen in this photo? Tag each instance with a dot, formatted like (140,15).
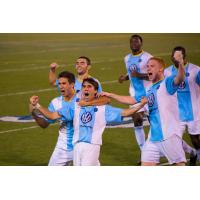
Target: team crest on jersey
(187,74)
(86,117)
(182,85)
(140,60)
(151,99)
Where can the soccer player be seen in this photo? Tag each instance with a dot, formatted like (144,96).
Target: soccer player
(164,138)
(136,66)
(83,65)
(188,95)
(63,152)
(89,123)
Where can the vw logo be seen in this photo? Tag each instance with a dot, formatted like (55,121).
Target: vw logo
(86,117)
(133,67)
(151,99)
(182,85)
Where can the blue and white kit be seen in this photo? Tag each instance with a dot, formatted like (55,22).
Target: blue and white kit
(137,63)
(188,97)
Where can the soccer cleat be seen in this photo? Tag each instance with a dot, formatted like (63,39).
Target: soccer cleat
(193,160)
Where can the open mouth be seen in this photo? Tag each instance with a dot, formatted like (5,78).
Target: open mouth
(62,91)
(150,74)
(86,94)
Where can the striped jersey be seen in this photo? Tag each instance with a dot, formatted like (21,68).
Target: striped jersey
(66,130)
(188,93)
(137,63)
(163,110)
(90,121)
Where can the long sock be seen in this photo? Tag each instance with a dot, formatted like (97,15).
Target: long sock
(140,136)
(188,149)
(198,154)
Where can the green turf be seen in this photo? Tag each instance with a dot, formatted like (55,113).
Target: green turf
(24,66)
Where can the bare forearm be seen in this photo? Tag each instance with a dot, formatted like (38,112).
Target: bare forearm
(48,114)
(52,77)
(180,77)
(123,99)
(39,120)
(131,111)
(96,102)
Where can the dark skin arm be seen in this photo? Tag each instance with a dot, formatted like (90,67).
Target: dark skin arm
(143,76)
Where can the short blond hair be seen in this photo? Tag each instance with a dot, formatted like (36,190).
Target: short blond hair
(159,60)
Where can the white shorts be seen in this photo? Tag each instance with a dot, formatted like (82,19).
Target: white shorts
(171,148)
(61,157)
(193,127)
(86,154)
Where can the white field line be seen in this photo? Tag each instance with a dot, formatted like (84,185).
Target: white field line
(44,90)
(95,62)
(22,129)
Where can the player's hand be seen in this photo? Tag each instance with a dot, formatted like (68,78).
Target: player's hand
(178,57)
(122,78)
(144,100)
(105,94)
(54,66)
(82,103)
(34,100)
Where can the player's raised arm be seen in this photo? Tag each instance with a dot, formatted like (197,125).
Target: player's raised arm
(121,99)
(34,101)
(36,115)
(131,111)
(179,78)
(52,74)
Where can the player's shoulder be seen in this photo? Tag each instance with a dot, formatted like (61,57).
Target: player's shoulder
(146,54)
(127,57)
(57,100)
(168,70)
(192,66)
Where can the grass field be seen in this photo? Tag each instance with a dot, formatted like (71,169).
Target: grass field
(24,66)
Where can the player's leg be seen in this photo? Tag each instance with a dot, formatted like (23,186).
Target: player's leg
(139,129)
(91,155)
(194,132)
(61,157)
(77,154)
(172,149)
(150,154)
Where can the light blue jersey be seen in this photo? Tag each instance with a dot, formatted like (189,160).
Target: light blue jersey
(163,110)
(90,121)
(188,94)
(78,85)
(137,63)
(66,130)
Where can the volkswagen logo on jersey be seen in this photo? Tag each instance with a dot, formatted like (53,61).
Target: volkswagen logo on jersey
(86,117)
(182,85)
(133,67)
(151,99)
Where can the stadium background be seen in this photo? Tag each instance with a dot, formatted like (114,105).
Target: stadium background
(24,66)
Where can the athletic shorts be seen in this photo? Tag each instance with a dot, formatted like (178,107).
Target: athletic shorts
(193,127)
(171,148)
(86,154)
(61,156)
